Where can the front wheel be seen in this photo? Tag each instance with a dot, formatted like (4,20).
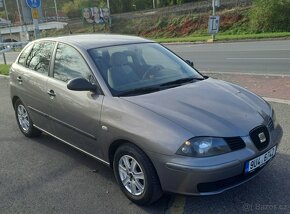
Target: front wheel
(24,122)
(136,175)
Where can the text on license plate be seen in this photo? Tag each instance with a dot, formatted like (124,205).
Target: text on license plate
(261,160)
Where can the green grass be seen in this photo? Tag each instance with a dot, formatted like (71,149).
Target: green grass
(225,37)
(4,69)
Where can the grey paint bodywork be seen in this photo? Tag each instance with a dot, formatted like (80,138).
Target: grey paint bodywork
(158,122)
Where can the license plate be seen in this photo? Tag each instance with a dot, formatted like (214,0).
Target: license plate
(257,162)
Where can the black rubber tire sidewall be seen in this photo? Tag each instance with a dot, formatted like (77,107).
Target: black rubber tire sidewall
(152,190)
(32,131)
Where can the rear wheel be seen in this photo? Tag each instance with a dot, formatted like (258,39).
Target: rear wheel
(136,175)
(24,122)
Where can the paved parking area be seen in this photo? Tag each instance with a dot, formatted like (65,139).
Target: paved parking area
(43,175)
(273,86)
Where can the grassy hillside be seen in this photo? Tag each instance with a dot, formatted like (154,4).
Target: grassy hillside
(233,21)
(174,28)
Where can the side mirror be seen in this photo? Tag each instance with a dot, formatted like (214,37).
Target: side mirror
(189,62)
(81,84)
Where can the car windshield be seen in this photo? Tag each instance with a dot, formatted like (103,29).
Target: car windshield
(135,69)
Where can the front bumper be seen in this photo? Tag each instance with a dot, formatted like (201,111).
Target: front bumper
(211,175)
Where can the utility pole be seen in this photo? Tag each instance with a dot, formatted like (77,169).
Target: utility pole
(213,13)
(7,17)
(110,21)
(108,4)
(56,12)
(20,19)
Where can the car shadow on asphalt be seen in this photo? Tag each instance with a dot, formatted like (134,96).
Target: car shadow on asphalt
(95,166)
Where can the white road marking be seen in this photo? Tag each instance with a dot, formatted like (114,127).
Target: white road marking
(249,74)
(258,58)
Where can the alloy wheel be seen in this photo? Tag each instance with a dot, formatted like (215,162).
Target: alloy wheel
(131,175)
(23,118)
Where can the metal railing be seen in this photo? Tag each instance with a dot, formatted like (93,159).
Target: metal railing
(8,46)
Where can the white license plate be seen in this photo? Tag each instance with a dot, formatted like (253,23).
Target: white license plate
(260,161)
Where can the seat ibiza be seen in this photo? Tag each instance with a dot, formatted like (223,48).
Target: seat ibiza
(139,108)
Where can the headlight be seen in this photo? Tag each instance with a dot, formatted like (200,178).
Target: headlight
(203,147)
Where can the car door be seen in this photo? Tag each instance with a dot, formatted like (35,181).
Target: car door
(75,114)
(33,67)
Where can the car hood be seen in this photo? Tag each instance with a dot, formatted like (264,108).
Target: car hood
(208,108)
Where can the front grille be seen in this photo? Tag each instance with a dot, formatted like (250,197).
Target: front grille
(235,143)
(254,134)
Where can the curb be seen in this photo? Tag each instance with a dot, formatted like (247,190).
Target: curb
(4,76)
(226,41)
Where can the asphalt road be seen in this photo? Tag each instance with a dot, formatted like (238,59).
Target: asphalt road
(43,175)
(271,57)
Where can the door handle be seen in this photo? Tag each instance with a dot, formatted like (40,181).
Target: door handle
(51,93)
(19,79)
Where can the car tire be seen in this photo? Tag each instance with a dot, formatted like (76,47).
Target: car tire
(129,176)
(24,121)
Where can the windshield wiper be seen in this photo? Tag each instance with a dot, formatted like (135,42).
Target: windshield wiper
(163,86)
(181,81)
(137,91)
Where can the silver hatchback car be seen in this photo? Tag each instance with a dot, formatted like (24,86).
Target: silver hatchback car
(139,108)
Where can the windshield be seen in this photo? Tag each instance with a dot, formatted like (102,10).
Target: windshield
(141,68)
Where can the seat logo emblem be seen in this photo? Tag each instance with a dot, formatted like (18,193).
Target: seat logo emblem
(262,137)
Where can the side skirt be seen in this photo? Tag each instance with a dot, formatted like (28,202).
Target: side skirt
(81,150)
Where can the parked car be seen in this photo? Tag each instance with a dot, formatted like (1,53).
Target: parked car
(139,108)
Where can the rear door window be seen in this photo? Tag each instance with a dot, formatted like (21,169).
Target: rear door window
(40,56)
(24,54)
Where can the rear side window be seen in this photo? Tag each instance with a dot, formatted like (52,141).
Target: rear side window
(70,64)
(24,54)
(40,56)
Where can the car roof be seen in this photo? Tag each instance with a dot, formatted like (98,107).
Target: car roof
(88,41)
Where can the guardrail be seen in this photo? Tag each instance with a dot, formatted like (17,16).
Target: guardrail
(8,46)
(13,44)
(3,51)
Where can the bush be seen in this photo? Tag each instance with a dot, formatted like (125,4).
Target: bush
(269,16)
